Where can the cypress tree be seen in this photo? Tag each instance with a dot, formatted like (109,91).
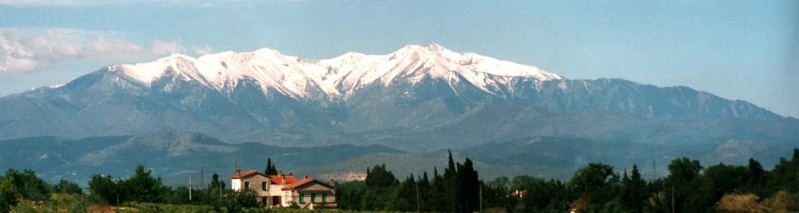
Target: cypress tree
(270,168)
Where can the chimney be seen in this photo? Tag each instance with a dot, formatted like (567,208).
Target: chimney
(238,169)
(306,176)
(331,182)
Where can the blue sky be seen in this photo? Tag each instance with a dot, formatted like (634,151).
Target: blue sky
(736,49)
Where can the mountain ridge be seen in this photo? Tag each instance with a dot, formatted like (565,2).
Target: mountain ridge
(337,77)
(416,98)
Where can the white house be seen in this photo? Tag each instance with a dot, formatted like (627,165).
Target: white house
(284,190)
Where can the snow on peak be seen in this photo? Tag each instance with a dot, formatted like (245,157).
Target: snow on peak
(340,76)
(435,47)
(179,66)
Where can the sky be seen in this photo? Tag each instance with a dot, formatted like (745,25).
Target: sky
(736,49)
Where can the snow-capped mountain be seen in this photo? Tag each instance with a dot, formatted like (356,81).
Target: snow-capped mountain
(416,98)
(337,77)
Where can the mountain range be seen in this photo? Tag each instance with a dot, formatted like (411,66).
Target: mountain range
(417,99)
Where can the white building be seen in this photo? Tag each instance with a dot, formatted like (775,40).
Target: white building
(284,190)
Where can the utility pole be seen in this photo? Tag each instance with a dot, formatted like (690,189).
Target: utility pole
(202,178)
(481,198)
(189,188)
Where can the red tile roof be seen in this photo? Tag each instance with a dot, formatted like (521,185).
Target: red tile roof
(298,183)
(279,179)
(245,174)
(306,181)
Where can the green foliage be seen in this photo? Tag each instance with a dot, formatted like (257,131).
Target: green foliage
(716,181)
(239,200)
(633,191)
(141,187)
(349,194)
(682,182)
(457,191)
(28,184)
(378,176)
(596,184)
(594,188)
(784,175)
(8,194)
(756,176)
(177,208)
(467,185)
(105,190)
(67,187)
(270,168)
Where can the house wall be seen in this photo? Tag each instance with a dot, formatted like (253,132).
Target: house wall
(288,197)
(235,184)
(256,182)
(314,194)
(276,190)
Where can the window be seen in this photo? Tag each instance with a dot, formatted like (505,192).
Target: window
(263,186)
(247,185)
(302,199)
(313,198)
(324,198)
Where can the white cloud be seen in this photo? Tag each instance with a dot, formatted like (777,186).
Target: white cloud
(161,47)
(26,49)
(19,64)
(203,50)
(103,46)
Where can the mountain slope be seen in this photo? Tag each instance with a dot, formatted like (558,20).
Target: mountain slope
(172,156)
(416,98)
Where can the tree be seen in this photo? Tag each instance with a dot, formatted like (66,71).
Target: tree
(9,196)
(378,176)
(238,200)
(67,187)
(349,195)
(756,176)
(270,168)
(425,192)
(104,189)
(681,182)
(784,175)
(405,200)
(142,187)
(29,185)
(633,191)
(595,184)
(216,183)
(451,190)
(523,182)
(467,184)
(535,194)
(716,181)
(438,193)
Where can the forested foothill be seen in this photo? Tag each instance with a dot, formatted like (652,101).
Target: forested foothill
(596,187)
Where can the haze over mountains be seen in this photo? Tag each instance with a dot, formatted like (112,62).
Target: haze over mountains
(415,99)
